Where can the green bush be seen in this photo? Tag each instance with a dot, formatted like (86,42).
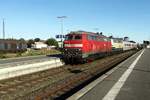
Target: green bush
(19,54)
(51,42)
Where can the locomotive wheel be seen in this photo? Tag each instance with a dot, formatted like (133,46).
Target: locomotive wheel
(72,60)
(66,60)
(83,61)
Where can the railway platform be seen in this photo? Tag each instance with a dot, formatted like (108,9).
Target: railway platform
(25,65)
(130,80)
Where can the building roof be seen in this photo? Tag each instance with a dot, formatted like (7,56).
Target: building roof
(11,41)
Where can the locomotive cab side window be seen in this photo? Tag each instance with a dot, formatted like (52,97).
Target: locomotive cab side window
(101,39)
(92,37)
(78,37)
(105,39)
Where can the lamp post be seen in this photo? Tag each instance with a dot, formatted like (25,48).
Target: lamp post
(61,20)
(3,29)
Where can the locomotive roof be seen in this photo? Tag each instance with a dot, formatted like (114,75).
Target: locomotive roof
(81,32)
(117,38)
(132,41)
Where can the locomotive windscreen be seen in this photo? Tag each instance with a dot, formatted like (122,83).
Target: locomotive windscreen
(73,37)
(69,37)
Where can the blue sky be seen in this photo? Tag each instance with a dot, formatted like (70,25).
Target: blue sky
(38,18)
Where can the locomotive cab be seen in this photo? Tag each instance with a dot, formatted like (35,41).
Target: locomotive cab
(73,47)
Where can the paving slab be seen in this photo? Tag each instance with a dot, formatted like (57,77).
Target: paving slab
(129,80)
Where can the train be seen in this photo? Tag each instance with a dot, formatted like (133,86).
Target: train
(83,46)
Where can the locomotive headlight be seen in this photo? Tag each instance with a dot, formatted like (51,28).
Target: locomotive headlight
(65,49)
(79,49)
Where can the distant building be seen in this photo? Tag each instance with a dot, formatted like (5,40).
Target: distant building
(39,45)
(10,45)
(146,43)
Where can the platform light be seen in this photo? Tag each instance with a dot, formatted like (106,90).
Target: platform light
(61,20)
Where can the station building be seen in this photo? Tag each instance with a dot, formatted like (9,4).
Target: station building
(11,45)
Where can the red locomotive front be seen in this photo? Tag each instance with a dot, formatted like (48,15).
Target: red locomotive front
(73,47)
(80,46)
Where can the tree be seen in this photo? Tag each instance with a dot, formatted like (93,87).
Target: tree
(30,42)
(36,39)
(51,42)
(22,39)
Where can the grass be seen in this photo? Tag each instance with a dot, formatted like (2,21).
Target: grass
(29,52)
(2,55)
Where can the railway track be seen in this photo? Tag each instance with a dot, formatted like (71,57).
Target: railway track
(56,82)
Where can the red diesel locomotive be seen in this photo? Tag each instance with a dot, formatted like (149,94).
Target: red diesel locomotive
(80,46)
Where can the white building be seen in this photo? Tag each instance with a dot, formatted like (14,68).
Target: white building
(39,45)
